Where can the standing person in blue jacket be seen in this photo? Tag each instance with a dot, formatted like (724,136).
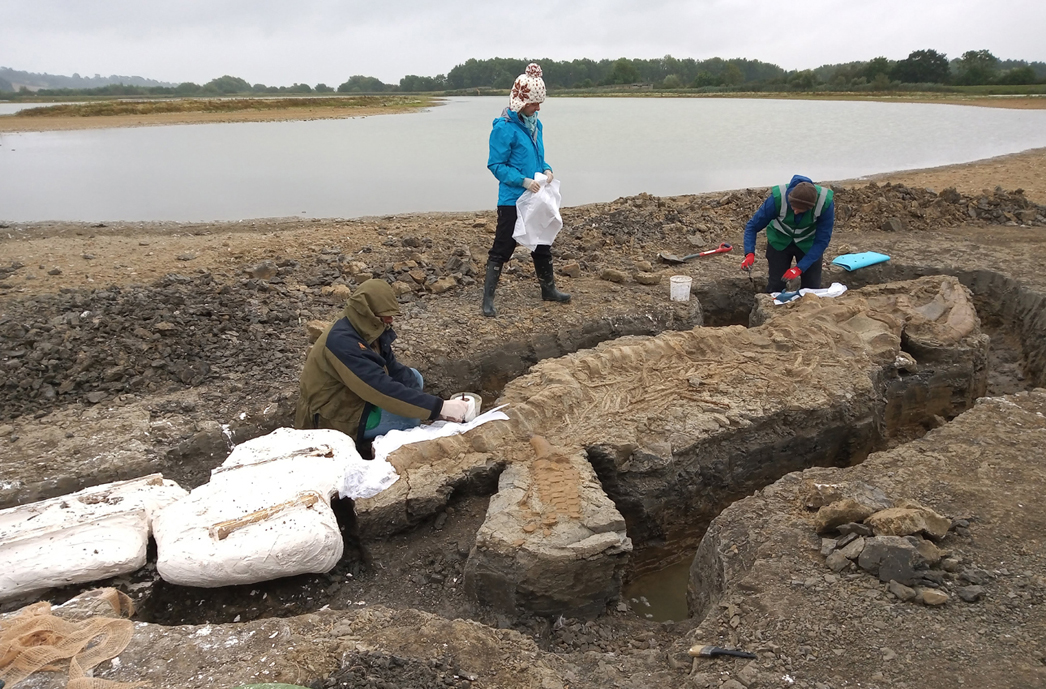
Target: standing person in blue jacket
(798,218)
(517,153)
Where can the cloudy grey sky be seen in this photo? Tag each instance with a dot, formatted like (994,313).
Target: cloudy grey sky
(279,42)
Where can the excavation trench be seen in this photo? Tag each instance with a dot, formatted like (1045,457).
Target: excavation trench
(417,552)
(1010,315)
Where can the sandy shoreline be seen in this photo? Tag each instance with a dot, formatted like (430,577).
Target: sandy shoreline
(14,123)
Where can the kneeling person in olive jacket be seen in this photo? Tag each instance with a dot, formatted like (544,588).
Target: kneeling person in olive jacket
(352,381)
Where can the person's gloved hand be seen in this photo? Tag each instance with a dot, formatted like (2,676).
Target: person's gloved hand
(531,185)
(548,176)
(792,273)
(454,410)
(748,262)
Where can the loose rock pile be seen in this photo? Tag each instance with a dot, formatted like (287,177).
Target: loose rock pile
(375,670)
(895,542)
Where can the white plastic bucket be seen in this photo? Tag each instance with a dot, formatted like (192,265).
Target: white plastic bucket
(680,287)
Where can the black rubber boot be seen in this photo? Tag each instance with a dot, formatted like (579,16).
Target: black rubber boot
(547,280)
(489,285)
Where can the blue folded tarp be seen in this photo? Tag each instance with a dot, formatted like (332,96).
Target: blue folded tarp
(855,261)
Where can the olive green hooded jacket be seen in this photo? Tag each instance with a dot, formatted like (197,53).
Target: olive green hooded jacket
(352,369)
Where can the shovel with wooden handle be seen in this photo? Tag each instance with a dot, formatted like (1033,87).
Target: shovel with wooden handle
(672,258)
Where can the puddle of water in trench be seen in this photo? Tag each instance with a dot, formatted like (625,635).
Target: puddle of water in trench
(664,590)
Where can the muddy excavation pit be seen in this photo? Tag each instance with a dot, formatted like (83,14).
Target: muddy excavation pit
(422,562)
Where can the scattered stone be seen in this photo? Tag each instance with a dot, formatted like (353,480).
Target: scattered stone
(315,328)
(970,594)
(644,266)
(975,576)
(87,257)
(648,278)
(732,684)
(55,271)
(827,546)
(571,270)
(950,564)
(443,284)
(929,553)
(266,270)
(6,430)
(904,593)
(889,557)
(904,521)
(96,397)
(893,225)
(696,239)
(400,288)
(852,550)
(855,528)
(950,195)
(931,597)
(614,275)
(187,256)
(837,562)
(846,540)
(840,512)
(338,292)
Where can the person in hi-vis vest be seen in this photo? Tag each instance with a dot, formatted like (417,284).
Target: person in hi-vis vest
(798,218)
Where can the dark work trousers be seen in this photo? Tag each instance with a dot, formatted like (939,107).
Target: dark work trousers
(504,244)
(780,261)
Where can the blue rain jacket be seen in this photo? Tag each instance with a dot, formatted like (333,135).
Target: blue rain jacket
(768,211)
(514,155)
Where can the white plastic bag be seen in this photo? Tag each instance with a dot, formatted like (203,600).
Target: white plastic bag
(537,215)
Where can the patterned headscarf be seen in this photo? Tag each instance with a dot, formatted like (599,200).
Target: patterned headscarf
(529,87)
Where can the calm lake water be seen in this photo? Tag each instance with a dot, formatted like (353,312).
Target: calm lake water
(601,149)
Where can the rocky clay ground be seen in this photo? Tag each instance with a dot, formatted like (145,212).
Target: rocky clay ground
(158,332)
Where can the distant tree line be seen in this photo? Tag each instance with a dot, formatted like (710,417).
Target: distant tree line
(921,69)
(973,68)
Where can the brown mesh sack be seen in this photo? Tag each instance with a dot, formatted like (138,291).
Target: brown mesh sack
(36,640)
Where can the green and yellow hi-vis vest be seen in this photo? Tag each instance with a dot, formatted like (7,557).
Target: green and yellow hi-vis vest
(783,230)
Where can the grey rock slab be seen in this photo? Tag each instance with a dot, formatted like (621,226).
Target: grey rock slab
(889,557)
(837,562)
(855,528)
(970,594)
(975,576)
(853,549)
(902,592)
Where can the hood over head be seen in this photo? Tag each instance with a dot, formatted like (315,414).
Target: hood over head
(364,308)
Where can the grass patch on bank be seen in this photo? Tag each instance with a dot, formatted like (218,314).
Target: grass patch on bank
(222,105)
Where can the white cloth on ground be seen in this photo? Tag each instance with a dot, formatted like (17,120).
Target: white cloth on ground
(385,445)
(834,291)
(537,215)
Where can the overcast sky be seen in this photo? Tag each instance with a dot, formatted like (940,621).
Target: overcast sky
(279,42)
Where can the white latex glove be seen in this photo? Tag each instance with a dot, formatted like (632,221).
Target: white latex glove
(548,176)
(531,185)
(454,410)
